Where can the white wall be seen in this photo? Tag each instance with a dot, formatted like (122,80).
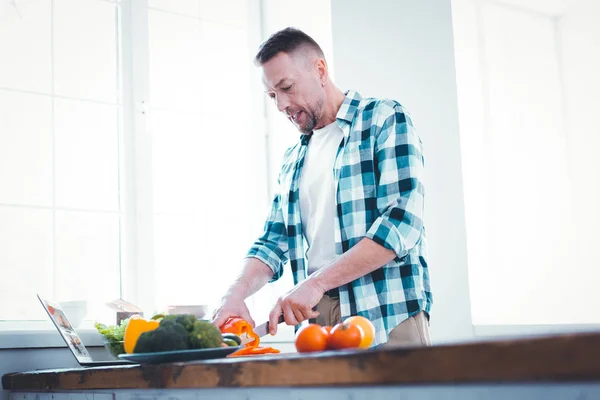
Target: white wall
(579,38)
(527,84)
(403,49)
(512,133)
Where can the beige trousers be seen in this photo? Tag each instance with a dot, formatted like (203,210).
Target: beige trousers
(329,311)
(412,332)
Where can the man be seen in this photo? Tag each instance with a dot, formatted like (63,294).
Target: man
(349,212)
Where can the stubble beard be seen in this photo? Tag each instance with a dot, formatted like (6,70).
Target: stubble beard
(311,118)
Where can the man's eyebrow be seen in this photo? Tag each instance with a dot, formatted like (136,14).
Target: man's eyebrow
(278,84)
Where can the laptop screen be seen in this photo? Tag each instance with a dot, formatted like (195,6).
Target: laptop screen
(66,330)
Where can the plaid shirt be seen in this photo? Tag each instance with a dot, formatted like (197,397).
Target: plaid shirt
(378,174)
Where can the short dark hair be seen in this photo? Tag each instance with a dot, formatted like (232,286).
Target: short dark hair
(287,41)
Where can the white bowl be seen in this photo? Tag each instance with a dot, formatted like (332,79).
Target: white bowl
(76,311)
(199,311)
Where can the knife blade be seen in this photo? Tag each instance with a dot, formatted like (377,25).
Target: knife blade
(263,329)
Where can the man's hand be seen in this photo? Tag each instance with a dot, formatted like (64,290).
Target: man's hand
(255,274)
(231,306)
(297,304)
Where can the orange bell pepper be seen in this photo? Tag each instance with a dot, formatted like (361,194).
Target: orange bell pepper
(252,351)
(135,327)
(239,326)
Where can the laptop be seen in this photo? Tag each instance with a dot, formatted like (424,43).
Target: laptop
(72,339)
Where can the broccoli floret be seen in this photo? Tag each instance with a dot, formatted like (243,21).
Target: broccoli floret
(168,336)
(205,335)
(185,320)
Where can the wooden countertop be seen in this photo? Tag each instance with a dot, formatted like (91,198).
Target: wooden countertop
(562,358)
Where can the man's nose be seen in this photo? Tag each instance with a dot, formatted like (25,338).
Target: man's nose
(281,103)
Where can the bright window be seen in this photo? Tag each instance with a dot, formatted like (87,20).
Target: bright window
(207,148)
(138,154)
(59,153)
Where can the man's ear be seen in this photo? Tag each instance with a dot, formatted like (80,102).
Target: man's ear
(321,68)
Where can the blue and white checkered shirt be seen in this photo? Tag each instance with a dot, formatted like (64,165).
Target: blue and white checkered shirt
(378,174)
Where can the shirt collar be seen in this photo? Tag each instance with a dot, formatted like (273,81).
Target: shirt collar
(346,113)
(349,106)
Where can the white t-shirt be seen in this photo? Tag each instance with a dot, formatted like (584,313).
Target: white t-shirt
(317,195)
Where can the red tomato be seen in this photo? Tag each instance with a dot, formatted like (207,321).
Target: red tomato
(311,338)
(345,336)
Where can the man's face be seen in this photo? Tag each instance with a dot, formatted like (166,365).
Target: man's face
(292,81)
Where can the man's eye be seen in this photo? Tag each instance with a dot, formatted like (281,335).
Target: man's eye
(287,88)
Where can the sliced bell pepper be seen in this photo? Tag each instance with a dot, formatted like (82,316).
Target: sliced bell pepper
(135,327)
(252,351)
(239,326)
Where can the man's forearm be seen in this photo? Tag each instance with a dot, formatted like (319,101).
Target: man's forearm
(254,275)
(365,257)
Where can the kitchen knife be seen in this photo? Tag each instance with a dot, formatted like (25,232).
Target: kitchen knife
(263,329)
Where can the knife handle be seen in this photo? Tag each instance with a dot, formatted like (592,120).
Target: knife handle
(280,320)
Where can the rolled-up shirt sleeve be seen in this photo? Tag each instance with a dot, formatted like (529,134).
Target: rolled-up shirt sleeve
(400,192)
